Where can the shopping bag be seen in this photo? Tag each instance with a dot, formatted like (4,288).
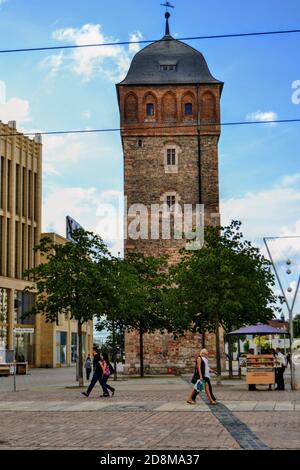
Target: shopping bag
(198,386)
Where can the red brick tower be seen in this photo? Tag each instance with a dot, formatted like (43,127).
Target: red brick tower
(170,119)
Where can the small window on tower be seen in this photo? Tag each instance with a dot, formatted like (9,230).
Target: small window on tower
(140,143)
(188,109)
(171,201)
(150,109)
(171,157)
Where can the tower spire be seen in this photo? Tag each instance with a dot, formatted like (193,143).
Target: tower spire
(167,16)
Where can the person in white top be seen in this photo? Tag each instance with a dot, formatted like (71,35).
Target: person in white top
(207,371)
(281,365)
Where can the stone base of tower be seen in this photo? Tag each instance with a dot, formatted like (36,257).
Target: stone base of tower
(165,355)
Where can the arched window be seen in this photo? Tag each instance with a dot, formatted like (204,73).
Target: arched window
(188,106)
(188,109)
(131,108)
(150,109)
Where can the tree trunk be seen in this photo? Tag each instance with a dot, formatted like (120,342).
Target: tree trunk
(114,350)
(80,361)
(218,355)
(230,357)
(239,353)
(141,353)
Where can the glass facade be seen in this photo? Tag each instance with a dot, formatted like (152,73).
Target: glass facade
(74,343)
(24,347)
(24,302)
(61,347)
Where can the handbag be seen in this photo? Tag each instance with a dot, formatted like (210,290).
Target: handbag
(195,377)
(198,386)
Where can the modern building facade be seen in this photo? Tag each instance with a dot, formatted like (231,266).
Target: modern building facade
(170,127)
(20,228)
(33,340)
(57,344)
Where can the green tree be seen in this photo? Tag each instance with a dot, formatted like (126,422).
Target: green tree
(145,310)
(118,302)
(73,279)
(226,283)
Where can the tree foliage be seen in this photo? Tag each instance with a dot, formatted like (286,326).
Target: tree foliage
(72,280)
(226,283)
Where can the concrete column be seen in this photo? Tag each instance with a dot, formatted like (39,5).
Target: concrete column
(10,315)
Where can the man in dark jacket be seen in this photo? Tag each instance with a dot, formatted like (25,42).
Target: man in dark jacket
(97,376)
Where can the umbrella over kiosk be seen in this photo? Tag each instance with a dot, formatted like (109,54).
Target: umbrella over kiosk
(260,367)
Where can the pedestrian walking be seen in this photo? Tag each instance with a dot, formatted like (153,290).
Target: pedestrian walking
(97,376)
(88,367)
(107,371)
(191,399)
(202,372)
(207,371)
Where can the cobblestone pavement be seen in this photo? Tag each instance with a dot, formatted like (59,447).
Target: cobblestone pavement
(48,412)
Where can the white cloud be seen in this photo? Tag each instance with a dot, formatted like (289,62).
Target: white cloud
(15,109)
(111,61)
(262,116)
(97,211)
(290,180)
(135,36)
(271,212)
(2,2)
(53,63)
(61,150)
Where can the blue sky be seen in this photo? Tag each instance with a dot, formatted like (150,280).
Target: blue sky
(259,169)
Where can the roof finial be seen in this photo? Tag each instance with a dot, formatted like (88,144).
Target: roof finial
(167,16)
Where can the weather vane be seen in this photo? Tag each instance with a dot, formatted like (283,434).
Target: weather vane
(167,5)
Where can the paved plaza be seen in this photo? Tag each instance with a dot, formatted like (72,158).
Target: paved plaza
(48,412)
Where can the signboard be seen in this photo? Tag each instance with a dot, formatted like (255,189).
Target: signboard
(24,330)
(71,225)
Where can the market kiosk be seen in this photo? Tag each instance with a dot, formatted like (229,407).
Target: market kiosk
(260,369)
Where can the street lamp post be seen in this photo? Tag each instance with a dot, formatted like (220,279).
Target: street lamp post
(289,308)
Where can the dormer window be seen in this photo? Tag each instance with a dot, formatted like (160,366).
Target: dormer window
(150,109)
(168,67)
(188,109)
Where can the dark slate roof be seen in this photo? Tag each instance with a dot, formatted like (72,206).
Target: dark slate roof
(191,67)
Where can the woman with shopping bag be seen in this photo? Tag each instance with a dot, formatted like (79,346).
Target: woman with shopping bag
(201,380)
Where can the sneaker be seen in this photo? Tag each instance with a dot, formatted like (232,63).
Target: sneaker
(84,393)
(191,402)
